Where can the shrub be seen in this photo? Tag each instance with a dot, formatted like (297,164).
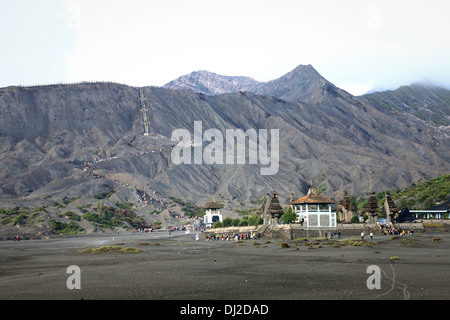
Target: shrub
(72,216)
(94,217)
(20,219)
(103,195)
(235,222)
(217,224)
(227,222)
(243,222)
(124,206)
(61,227)
(254,220)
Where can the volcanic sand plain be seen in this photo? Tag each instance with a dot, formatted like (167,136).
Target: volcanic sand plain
(177,267)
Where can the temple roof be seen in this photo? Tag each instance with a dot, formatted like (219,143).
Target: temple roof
(372,205)
(392,207)
(213,205)
(274,206)
(313,198)
(346,203)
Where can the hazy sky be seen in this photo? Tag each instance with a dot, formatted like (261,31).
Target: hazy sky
(355,44)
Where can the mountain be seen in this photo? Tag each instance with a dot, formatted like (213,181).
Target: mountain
(327,137)
(210,83)
(303,83)
(422,100)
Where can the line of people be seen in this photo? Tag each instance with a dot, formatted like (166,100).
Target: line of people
(235,237)
(87,165)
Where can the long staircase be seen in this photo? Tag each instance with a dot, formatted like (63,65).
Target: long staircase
(144,111)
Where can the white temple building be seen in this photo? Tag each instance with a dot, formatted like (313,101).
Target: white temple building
(314,210)
(212,213)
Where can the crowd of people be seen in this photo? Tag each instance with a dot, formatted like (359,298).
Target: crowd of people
(391,230)
(145,230)
(335,234)
(228,237)
(145,199)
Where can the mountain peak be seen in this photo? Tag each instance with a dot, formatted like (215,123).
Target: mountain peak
(210,83)
(305,68)
(303,83)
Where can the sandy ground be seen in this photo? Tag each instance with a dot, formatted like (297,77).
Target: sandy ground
(176,267)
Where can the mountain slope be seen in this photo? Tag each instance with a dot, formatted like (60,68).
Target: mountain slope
(424,101)
(45,132)
(49,134)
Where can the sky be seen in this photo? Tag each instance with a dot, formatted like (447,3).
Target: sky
(358,45)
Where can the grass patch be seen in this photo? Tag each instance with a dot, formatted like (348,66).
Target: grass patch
(394,258)
(357,243)
(329,243)
(300,239)
(433,225)
(109,250)
(410,242)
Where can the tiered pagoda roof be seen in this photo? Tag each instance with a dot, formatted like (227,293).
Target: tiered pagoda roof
(313,198)
(346,203)
(372,205)
(275,208)
(391,205)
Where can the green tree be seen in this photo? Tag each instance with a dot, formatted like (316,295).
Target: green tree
(429,203)
(254,220)
(227,222)
(217,224)
(235,222)
(288,216)
(244,221)
(402,204)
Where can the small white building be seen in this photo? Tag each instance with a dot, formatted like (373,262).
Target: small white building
(314,210)
(212,213)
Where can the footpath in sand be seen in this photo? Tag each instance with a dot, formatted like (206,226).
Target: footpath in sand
(176,266)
